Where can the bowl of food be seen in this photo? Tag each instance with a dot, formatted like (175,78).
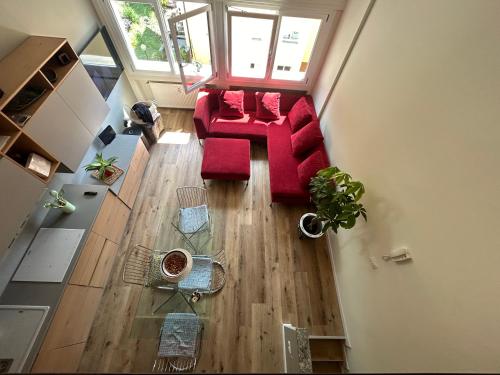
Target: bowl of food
(176,264)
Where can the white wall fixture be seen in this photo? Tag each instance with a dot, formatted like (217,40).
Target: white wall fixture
(398,255)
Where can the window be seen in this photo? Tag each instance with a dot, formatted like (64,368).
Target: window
(143,33)
(294,47)
(250,40)
(191,36)
(256,53)
(276,44)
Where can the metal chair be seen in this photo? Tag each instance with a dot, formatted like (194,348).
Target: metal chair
(171,356)
(194,216)
(141,268)
(195,288)
(137,266)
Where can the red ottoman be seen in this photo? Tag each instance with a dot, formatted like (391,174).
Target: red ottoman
(226,159)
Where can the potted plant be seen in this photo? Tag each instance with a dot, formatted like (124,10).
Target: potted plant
(336,197)
(104,167)
(60,202)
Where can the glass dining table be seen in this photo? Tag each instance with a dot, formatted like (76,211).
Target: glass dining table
(156,301)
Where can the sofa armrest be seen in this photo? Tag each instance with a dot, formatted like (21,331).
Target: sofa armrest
(202,113)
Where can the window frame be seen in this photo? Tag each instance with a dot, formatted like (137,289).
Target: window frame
(274,17)
(124,38)
(268,80)
(139,78)
(211,36)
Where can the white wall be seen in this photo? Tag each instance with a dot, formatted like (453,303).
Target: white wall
(74,20)
(338,50)
(415,116)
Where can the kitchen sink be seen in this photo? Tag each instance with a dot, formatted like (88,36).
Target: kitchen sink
(19,328)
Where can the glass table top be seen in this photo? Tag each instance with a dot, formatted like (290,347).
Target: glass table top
(154,304)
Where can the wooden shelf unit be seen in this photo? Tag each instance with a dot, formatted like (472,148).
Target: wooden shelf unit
(24,68)
(20,149)
(61,70)
(8,128)
(38,81)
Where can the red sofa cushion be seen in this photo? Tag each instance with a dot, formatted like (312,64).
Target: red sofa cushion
(306,138)
(310,166)
(248,127)
(300,114)
(226,159)
(268,105)
(231,103)
(283,177)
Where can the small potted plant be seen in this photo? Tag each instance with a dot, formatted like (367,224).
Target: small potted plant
(336,197)
(60,202)
(104,167)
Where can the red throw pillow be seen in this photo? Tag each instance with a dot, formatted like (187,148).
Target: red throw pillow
(268,105)
(306,138)
(300,114)
(310,166)
(231,103)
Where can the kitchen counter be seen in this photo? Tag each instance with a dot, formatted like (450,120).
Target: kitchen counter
(49,294)
(123,147)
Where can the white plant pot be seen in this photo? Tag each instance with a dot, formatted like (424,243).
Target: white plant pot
(304,232)
(68,208)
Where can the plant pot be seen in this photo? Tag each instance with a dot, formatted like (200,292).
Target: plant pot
(176,265)
(68,208)
(304,227)
(109,172)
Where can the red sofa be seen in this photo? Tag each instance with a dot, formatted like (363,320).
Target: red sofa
(284,179)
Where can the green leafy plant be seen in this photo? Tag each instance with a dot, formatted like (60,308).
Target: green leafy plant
(103,166)
(129,13)
(336,197)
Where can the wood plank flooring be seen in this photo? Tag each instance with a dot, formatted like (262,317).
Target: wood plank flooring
(273,277)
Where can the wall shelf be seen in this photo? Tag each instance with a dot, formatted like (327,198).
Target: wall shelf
(37,82)
(30,66)
(55,65)
(19,151)
(9,129)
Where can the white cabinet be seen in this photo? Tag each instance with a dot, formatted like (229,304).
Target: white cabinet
(83,97)
(57,129)
(20,191)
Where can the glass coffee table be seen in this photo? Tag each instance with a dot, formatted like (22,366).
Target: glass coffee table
(156,302)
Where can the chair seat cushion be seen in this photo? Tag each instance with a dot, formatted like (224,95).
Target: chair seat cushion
(180,334)
(200,277)
(192,219)
(226,159)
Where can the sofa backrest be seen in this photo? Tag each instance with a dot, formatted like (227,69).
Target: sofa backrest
(287,99)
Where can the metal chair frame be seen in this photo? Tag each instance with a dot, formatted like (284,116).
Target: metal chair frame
(178,364)
(193,196)
(137,266)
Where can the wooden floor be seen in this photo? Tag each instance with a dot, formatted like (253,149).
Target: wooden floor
(273,277)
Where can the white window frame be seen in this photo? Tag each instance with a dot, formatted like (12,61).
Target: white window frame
(270,56)
(211,36)
(164,35)
(274,45)
(330,14)
(318,49)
